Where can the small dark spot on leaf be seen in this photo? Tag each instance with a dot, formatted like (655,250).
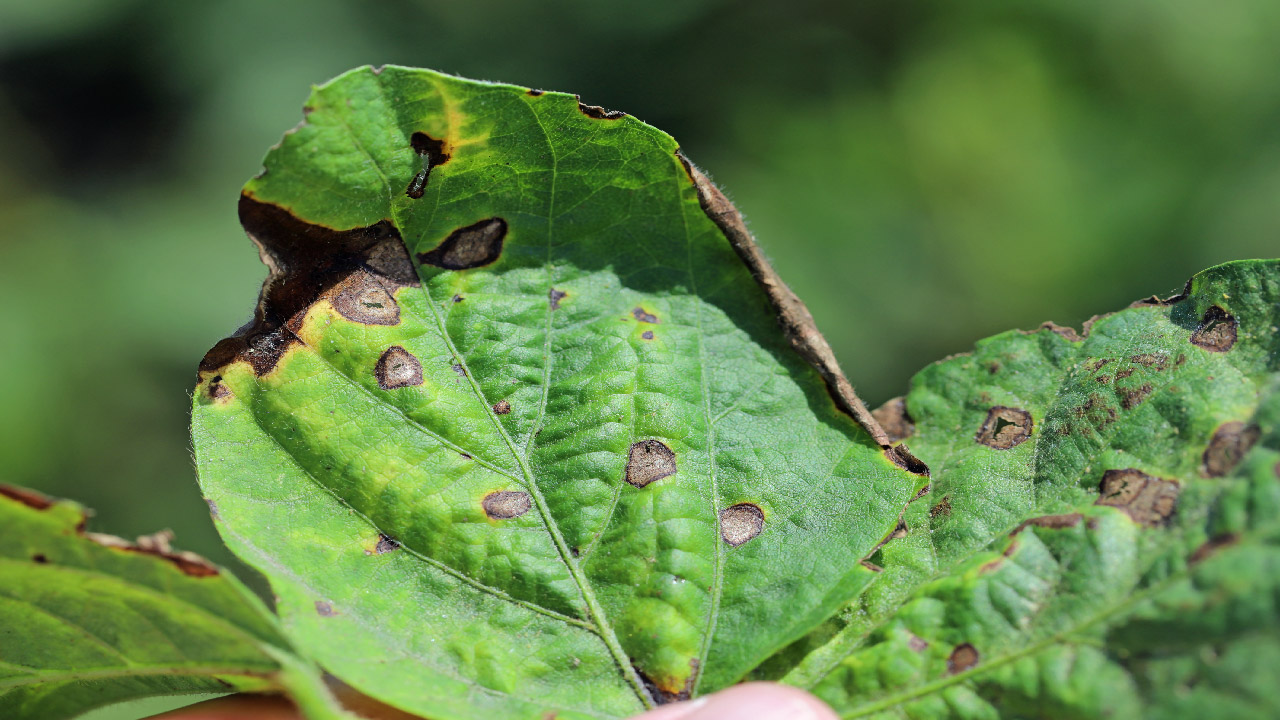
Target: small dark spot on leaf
(1132,397)
(502,407)
(901,456)
(325,609)
(599,113)
(644,317)
(218,389)
(397,368)
(1104,379)
(649,460)
(465,456)
(1217,330)
(457,298)
(1213,545)
(362,298)
(506,504)
(469,247)
(647,334)
(457,367)
(1005,427)
(385,544)
(556,296)
(1155,361)
(1097,411)
(740,523)
(534,92)
(993,367)
(1097,364)
(942,509)
(30,498)
(1180,359)
(895,419)
(213,508)
(921,493)
(964,657)
(1053,522)
(1227,447)
(1148,500)
(39,559)
(575,551)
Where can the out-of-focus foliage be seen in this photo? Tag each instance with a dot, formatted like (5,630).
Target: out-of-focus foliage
(954,167)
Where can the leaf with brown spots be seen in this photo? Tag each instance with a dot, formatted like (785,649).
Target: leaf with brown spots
(1102,534)
(534,345)
(525,424)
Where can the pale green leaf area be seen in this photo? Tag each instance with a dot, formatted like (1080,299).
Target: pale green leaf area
(146,707)
(560,457)
(1100,538)
(89,620)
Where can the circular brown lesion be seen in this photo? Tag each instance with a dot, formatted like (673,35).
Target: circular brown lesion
(1217,330)
(649,460)
(740,523)
(1004,427)
(1149,500)
(963,657)
(397,368)
(362,298)
(1227,448)
(506,504)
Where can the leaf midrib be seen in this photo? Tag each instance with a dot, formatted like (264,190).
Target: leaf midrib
(602,627)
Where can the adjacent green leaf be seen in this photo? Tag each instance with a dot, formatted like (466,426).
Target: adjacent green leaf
(524,423)
(1101,535)
(87,619)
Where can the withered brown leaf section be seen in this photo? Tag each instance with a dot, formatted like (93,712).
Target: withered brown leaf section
(793,316)
(358,269)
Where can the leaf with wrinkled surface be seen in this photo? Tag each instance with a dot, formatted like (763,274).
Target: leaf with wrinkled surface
(1102,534)
(90,619)
(524,424)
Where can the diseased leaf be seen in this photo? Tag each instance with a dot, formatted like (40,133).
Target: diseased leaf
(524,423)
(1102,535)
(89,619)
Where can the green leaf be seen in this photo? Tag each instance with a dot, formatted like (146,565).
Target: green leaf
(1101,535)
(90,619)
(524,423)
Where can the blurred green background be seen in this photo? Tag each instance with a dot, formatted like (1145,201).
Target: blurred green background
(924,173)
